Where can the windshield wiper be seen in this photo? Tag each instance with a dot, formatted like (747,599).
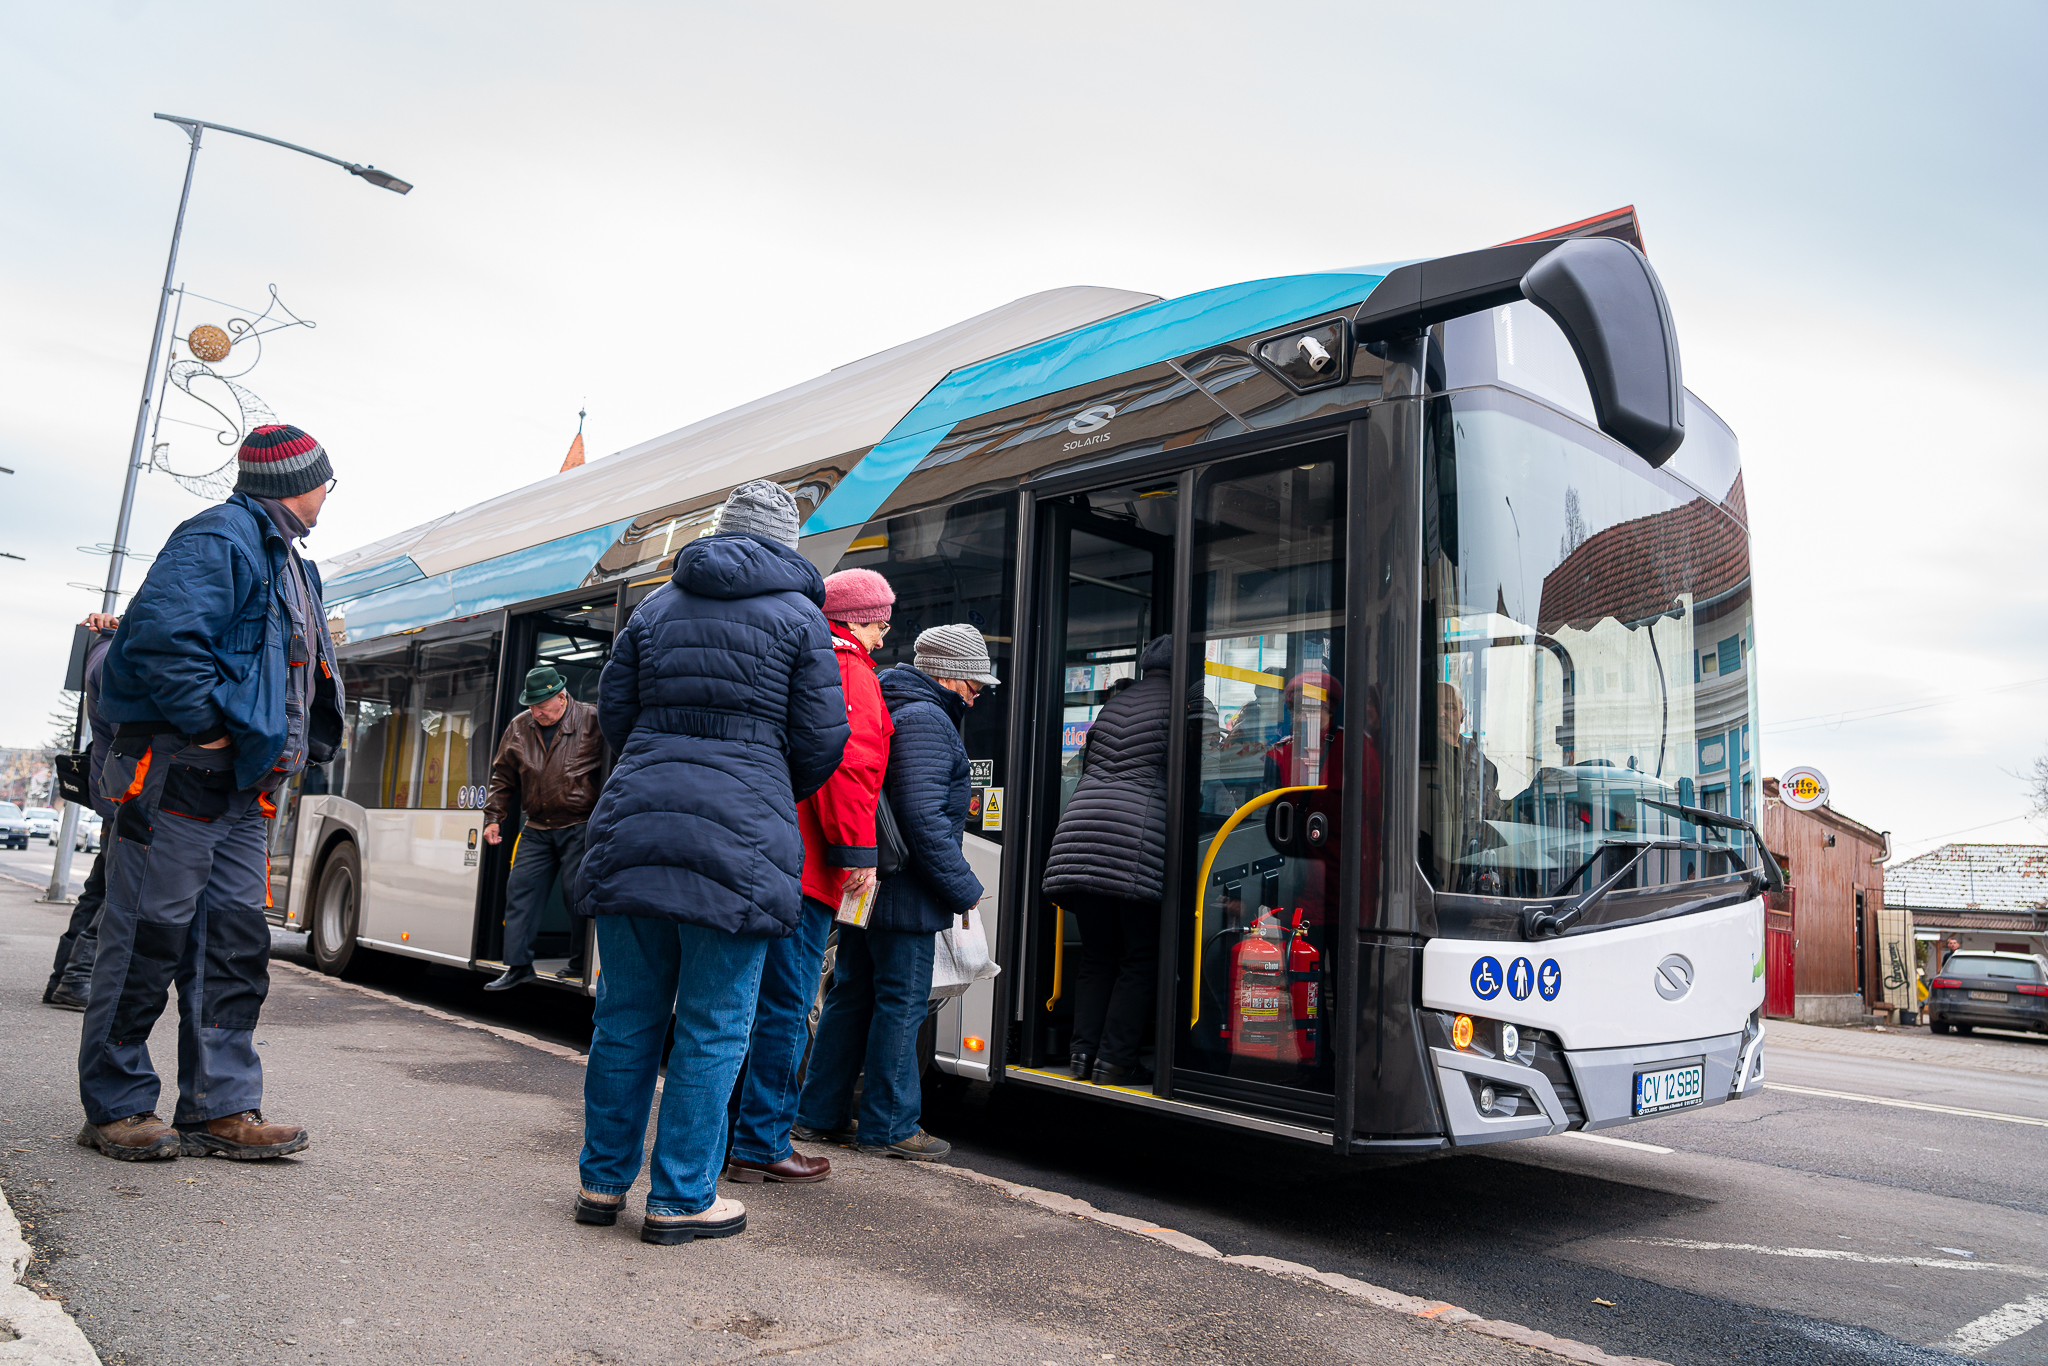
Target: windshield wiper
(1774,876)
(1540,922)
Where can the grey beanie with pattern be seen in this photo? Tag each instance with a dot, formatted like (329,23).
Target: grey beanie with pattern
(955,651)
(762,507)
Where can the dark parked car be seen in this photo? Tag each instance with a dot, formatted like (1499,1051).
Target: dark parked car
(13,827)
(1996,990)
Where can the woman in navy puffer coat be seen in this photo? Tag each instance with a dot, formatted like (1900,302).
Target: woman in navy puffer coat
(882,977)
(723,701)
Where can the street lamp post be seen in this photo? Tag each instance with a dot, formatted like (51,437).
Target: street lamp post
(60,872)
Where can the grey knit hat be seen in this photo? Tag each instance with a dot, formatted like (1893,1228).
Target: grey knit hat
(955,652)
(763,507)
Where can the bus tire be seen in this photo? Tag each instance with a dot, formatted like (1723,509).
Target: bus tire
(336,900)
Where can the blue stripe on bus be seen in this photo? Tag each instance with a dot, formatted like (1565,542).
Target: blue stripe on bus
(1129,341)
(358,582)
(553,567)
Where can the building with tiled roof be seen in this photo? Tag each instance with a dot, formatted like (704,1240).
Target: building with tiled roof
(1986,896)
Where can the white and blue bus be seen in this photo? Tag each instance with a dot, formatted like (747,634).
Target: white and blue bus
(1464,851)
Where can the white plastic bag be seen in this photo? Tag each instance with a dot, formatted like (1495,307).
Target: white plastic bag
(960,958)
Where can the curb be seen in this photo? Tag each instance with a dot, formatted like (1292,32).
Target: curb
(1379,1296)
(33,1329)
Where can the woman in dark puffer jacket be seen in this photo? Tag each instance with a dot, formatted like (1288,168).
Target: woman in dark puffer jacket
(723,702)
(882,978)
(1108,866)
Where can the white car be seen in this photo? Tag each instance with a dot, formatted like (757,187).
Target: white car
(42,822)
(87,840)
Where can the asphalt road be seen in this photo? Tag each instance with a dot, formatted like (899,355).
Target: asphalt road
(1792,1227)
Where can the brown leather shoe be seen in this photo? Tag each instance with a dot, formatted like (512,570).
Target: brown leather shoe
(138,1138)
(793,1170)
(243,1137)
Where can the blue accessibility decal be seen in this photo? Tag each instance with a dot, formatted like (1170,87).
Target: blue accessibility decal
(1521,977)
(1549,979)
(1486,978)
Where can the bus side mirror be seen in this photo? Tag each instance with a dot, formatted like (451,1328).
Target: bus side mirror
(1607,300)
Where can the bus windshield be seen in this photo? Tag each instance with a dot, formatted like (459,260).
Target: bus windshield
(1588,648)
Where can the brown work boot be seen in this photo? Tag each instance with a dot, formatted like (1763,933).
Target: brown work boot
(138,1138)
(243,1137)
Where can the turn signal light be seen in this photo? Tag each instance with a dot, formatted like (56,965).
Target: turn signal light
(405,934)
(1461,1032)
(974,1045)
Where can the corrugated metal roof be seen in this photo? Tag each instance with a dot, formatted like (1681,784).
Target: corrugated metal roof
(1976,877)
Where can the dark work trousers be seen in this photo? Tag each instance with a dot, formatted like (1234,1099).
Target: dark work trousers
(541,856)
(76,950)
(186,874)
(1119,965)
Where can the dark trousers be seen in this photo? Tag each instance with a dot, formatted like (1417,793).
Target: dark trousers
(542,856)
(1119,967)
(186,874)
(72,969)
(775,1054)
(881,993)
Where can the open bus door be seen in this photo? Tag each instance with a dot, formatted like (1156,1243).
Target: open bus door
(1242,561)
(574,636)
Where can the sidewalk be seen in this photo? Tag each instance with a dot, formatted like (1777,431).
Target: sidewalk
(2017,1053)
(430,1222)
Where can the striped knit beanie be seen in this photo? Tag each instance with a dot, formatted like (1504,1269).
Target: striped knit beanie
(278,461)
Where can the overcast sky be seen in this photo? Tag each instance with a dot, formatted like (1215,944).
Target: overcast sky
(671,209)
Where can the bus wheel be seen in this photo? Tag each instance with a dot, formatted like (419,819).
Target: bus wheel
(333,940)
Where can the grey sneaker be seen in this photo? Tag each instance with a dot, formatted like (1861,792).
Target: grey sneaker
(919,1147)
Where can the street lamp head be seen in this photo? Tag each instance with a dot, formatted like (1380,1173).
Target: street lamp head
(377,177)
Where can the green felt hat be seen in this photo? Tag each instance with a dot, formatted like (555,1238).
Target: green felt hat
(541,684)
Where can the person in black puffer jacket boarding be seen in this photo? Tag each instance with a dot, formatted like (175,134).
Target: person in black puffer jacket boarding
(722,701)
(882,978)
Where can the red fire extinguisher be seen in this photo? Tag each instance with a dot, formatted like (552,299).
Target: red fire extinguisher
(1258,992)
(1304,987)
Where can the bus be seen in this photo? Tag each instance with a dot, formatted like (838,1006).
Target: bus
(1445,866)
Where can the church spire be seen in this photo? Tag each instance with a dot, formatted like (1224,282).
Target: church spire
(575,455)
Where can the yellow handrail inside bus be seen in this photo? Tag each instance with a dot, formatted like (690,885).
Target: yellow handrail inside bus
(1059,951)
(1209,861)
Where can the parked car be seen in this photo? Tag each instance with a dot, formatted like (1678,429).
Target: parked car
(13,827)
(42,822)
(1996,990)
(87,840)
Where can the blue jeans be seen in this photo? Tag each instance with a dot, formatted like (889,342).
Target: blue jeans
(186,874)
(708,980)
(789,983)
(881,993)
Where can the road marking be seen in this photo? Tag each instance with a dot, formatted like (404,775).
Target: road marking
(2006,1321)
(1617,1142)
(1908,1104)
(1839,1254)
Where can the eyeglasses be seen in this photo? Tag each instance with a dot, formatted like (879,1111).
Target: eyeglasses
(332,482)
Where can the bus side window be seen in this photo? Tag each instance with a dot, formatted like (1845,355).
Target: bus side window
(952,565)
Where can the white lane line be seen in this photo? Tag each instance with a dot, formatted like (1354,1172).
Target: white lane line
(1617,1142)
(1908,1104)
(2005,1322)
(1841,1254)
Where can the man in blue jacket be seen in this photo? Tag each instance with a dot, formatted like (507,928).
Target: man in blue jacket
(221,685)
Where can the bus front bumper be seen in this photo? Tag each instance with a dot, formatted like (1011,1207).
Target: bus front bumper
(1601,1093)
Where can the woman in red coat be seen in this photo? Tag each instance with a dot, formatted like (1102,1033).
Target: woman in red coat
(838,827)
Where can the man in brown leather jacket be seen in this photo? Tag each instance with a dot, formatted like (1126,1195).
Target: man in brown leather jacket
(549,765)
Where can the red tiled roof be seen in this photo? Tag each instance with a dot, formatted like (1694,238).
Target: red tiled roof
(1635,570)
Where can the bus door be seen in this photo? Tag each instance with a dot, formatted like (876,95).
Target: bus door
(1105,561)
(573,636)
(1261,842)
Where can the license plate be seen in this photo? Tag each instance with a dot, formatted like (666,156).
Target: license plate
(1988,995)
(1673,1088)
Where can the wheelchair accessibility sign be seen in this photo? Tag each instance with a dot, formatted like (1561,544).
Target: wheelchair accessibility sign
(1486,978)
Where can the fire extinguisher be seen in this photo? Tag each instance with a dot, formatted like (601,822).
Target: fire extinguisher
(1304,987)
(1258,991)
